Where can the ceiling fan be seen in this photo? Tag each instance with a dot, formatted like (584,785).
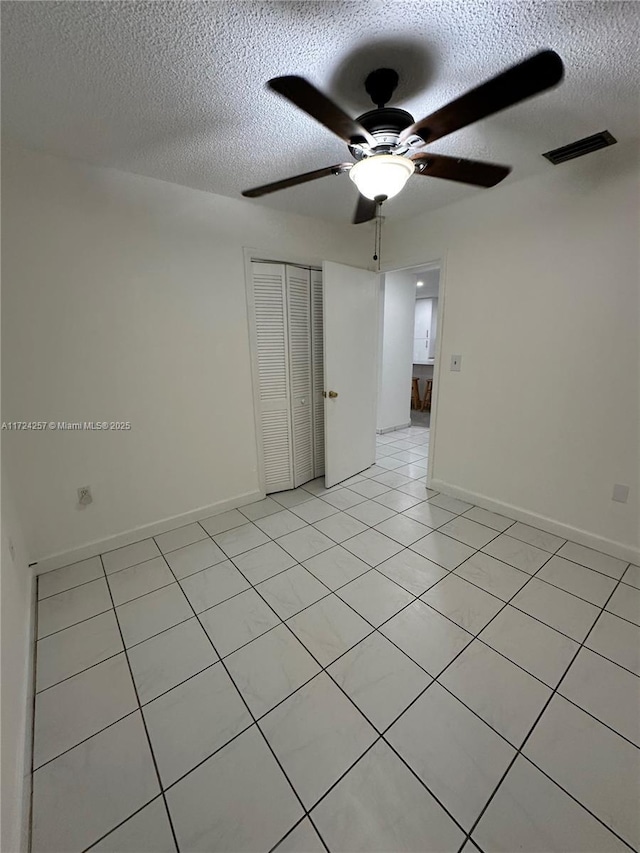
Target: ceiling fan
(389,146)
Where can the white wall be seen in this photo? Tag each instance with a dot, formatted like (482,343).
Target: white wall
(124,299)
(394,390)
(17,583)
(541,298)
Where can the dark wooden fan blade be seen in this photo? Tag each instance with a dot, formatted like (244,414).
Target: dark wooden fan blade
(318,106)
(524,80)
(465,171)
(297,179)
(365,210)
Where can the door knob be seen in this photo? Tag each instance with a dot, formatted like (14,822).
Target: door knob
(333,393)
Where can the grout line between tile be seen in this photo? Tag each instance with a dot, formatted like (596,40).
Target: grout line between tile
(144,723)
(435,678)
(293,828)
(79,622)
(122,822)
(532,728)
(68,589)
(85,739)
(255,722)
(610,660)
(86,669)
(593,716)
(325,670)
(624,619)
(142,595)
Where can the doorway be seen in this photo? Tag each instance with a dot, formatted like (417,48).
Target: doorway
(411,318)
(427,290)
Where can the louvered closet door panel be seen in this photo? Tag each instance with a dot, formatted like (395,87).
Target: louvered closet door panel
(299,311)
(317,361)
(270,300)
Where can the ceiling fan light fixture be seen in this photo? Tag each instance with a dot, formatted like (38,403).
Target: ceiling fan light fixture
(381,175)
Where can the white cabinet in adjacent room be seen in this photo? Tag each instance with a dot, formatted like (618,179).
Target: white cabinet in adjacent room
(424,334)
(421,330)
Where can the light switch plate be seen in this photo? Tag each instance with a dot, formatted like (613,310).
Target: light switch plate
(456,363)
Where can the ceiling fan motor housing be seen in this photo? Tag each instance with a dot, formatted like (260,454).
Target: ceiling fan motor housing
(385,125)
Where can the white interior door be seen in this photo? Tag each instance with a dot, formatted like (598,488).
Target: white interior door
(351,316)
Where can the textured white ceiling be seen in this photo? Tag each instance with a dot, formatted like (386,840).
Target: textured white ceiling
(175,90)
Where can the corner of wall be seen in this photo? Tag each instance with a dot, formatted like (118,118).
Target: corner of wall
(18,657)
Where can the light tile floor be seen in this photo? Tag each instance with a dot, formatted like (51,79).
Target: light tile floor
(372,667)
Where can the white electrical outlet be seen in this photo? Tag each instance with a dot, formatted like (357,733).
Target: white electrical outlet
(84,496)
(456,363)
(620,493)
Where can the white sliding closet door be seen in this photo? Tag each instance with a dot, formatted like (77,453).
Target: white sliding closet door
(270,310)
(317,366)
(299,316)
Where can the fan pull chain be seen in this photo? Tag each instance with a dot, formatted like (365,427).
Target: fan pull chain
(378,235)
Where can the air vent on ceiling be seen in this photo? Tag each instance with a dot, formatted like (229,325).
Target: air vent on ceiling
(580,147)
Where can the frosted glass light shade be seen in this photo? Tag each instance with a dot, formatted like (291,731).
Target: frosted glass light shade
(381,175)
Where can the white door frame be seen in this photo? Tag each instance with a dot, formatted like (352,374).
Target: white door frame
(251,255)
(437,368)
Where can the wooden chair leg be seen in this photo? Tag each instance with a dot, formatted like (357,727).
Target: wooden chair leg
(426,402)
(415,394)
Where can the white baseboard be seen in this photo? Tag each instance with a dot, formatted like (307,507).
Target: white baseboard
(566,531)
(128,537)
(393,428)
